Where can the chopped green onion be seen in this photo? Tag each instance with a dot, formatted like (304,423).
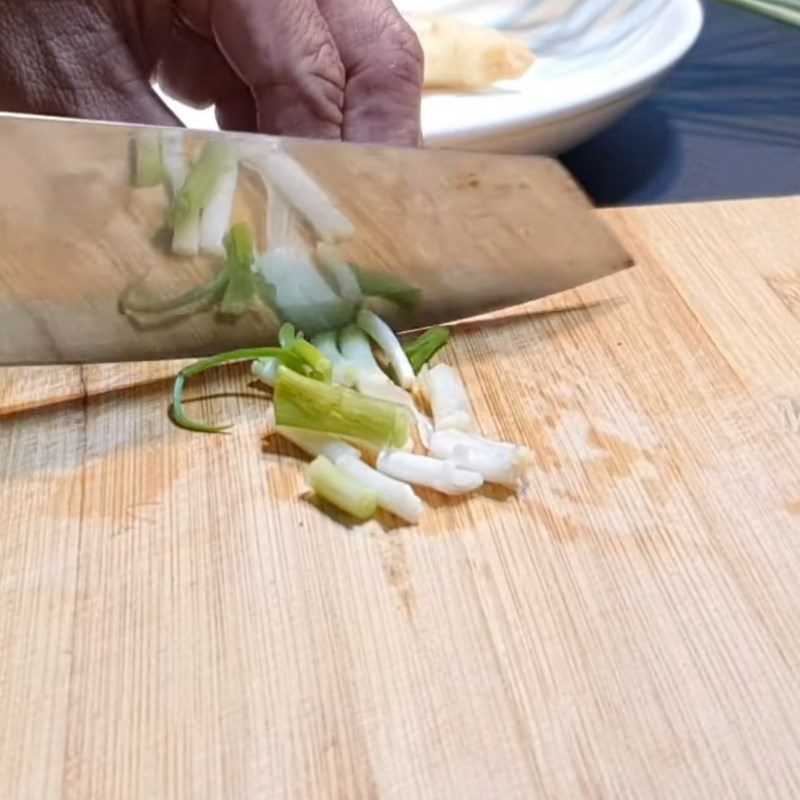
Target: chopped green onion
(318,362)
(339,489)
(377,284)
(240,245)
(266,370)
(301,402)
(384,337)
(340,271)
(186,237)
(344,372)
(240,249)
(287,336)
(216,217)
(281,172)
(265,291)
(147,168)
(247,354)
(179,415)
(193,300)
(174,160)
(214,161)
(355,347)
(422,349)
(239,293)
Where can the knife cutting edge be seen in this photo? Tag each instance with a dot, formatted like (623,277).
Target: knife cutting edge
(116,243)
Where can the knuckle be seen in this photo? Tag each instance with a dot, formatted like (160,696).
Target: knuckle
(398,49)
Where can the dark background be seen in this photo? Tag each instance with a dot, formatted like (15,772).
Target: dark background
(724,124)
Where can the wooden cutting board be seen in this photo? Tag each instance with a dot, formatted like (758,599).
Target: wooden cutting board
(178,620)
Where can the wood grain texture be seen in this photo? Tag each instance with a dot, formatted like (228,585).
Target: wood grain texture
(178,620)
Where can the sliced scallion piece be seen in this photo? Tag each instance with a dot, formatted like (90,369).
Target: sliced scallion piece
(240,249)
(377,284)
(319,363)
(384,337)
(341,490)
(287,335)
(193,300)
(147,167)
(302,402)
(422,349)
(214,161)
(247,354)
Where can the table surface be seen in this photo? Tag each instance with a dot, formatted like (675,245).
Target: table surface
(724,124)
(178,620)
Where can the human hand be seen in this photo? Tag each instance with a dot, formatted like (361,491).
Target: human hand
(332,69)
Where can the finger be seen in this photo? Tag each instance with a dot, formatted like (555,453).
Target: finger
(283,50)
(237,112)
(193,71)
(384,64)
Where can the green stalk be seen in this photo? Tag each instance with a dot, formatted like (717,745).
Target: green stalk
(265,292)
(240,249)
(289,360)
(214,160)
(339,489)
(319,363)
(147,167)
(302,402)
(376,284)
(186,303)
(179,415)
(422,349)
(287,336)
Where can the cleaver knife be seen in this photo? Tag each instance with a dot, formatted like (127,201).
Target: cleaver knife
(451,234)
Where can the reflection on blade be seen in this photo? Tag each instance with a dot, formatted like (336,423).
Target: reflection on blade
(122,243)
(301,277)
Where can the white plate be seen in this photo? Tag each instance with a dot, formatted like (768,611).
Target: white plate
(597,58)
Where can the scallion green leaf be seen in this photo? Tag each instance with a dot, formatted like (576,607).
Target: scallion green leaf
(422,349)
(377,284)
(147,167)
(287,335)
(240,292)
(192,301)
(319,363)
(289,360)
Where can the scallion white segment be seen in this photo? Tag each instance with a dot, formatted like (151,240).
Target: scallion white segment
(266,370)
(442,476)
(280,171)
(338,488)
(320,444)
(498,462)
(302,295)
(344,373)
(173,158)
(384,337)
(356,349)
(393,495)
(447,395)
(186,237)
(216,218)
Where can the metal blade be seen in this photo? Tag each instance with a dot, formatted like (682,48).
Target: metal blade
(470,232)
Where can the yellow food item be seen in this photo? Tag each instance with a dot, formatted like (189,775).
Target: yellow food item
(463,56)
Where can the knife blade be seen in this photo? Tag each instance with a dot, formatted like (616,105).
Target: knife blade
(465,233)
